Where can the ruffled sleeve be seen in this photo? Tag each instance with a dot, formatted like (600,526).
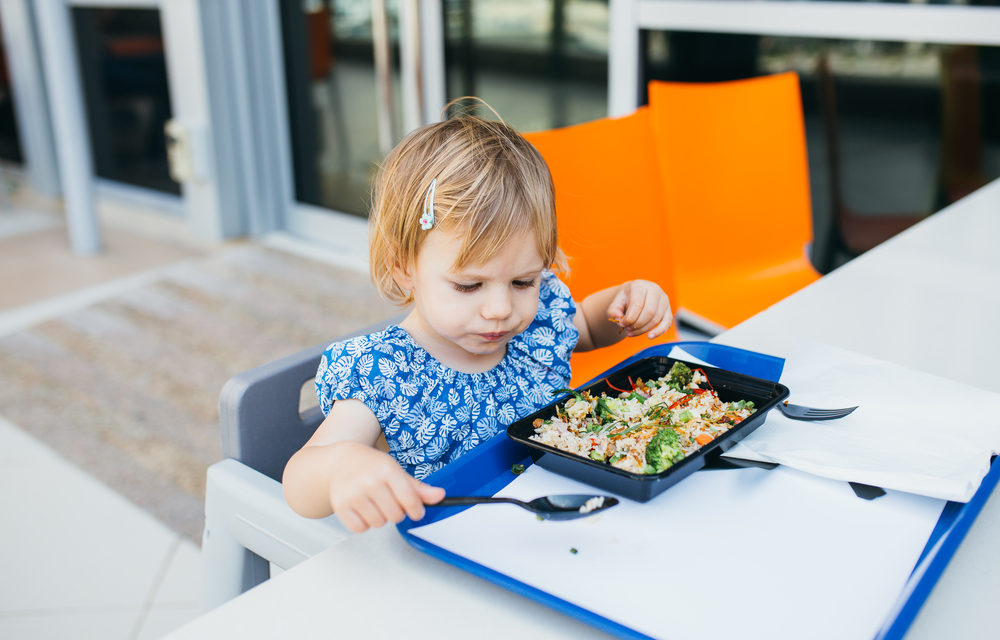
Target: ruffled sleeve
(550,339)
(365,368)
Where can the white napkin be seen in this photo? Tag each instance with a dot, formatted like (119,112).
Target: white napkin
(912,432)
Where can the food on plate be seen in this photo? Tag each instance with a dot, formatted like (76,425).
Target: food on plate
(647,428)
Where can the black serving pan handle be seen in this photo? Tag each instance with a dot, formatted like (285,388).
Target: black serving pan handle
(720,462)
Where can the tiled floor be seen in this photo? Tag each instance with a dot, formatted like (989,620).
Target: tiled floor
(79,561)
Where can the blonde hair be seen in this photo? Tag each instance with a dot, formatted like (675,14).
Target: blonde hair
(491,185)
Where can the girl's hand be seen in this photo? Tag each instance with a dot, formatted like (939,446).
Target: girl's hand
(369,489)
(641,307)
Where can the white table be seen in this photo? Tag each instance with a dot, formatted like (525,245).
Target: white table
(928,299)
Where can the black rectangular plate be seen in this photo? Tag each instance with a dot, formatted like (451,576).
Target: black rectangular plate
(730,386)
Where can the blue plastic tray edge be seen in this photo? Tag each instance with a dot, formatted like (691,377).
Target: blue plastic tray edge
(955,521)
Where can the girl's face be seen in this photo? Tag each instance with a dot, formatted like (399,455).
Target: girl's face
(466,317)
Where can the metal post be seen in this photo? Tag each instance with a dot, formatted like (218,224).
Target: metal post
(70,124)
(623,58)
(31,105)
(410,64)
(383,75)
(432,60)
(4,201)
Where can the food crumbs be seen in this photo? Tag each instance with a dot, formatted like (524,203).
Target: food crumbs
(573,550)
(517,469)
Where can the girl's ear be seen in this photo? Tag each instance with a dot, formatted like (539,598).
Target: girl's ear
(403,277)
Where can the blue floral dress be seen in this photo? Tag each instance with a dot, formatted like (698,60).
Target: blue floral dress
(431,414)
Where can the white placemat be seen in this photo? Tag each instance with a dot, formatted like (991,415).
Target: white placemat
(723,554)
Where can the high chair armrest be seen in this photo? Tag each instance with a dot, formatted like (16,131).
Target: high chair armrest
(248,526)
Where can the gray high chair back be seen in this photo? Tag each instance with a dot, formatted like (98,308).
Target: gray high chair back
(248,524)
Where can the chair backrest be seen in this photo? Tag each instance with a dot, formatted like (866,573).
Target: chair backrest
(259,417)
(612,224)
(735,175)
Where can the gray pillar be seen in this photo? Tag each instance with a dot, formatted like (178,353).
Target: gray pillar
(30,102)
(69,123)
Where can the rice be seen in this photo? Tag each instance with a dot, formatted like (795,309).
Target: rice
(593,503)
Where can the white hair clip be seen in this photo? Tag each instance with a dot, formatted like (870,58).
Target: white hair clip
(427,219)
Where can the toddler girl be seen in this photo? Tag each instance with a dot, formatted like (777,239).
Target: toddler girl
(463,227)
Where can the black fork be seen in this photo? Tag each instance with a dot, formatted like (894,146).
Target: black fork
(798,412)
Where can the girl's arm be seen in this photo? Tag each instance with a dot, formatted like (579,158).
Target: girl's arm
(630,309)
(340,471)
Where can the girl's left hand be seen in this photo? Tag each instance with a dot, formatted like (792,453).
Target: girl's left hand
(639,307)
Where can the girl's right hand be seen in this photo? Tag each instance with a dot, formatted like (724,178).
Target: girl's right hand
(369,489)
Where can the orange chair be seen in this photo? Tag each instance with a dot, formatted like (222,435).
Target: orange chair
(732,157)
(612,225)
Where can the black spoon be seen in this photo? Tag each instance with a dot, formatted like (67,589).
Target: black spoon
(561,507)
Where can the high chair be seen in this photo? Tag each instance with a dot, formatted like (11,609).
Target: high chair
(735,176)
(612,224)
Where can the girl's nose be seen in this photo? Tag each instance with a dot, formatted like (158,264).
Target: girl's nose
(497,306)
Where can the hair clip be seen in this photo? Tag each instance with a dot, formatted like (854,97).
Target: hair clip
(427,219)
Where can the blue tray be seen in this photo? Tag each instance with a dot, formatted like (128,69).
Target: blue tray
(486,470)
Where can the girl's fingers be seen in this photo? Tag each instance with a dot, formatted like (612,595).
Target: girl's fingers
(661,328)
(634,307)
(661,314)
(368,512)
(618,307)
(655,310)
(647,319)
(430,494)
(388,505)
(405,491)
(350,519)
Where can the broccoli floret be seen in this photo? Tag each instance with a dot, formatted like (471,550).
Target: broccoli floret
(679,376)
(603,410)
(663,450)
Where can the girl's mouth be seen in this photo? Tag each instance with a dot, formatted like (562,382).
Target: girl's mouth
(493,337)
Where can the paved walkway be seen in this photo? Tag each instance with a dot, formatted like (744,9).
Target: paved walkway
(81,558)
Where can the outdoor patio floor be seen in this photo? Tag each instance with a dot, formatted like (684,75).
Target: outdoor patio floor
(80,561)
(84,555)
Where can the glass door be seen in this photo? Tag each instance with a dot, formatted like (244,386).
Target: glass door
(123,68)
(132,74)
(358,74)
(342,115)
(10,141)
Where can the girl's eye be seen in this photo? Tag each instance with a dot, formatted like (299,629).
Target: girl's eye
(466,288)
(524,284)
